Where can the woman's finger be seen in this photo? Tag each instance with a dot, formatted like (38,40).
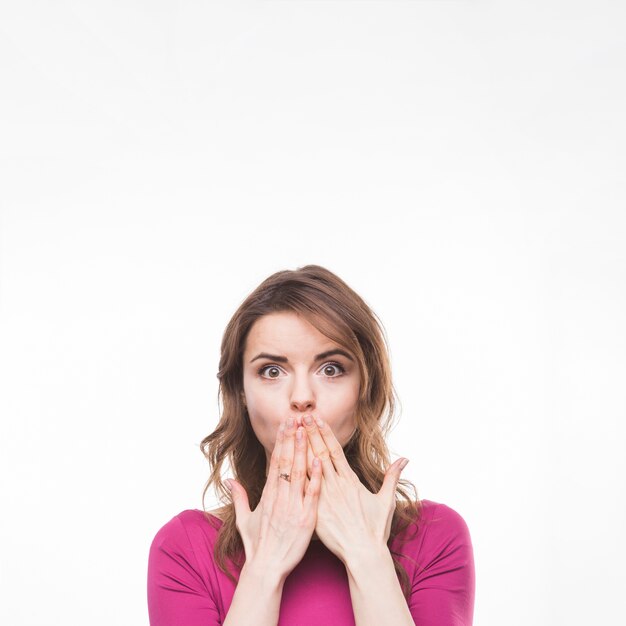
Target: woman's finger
(310,455)
(286,459)
(269,491)
(313,489)
(335,449)
(319,448)
(298,469)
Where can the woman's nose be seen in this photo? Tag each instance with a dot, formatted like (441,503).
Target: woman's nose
(302,406)
(302,396)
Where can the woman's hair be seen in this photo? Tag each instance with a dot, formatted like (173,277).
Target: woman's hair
(339,313)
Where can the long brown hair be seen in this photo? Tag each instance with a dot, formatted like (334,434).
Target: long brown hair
(339,313)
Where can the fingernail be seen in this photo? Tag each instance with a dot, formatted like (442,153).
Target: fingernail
(308,420)
(403,464)
(290,422)
(319,422)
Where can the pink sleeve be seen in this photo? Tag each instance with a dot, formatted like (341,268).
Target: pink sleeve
(443,586)
(177,594)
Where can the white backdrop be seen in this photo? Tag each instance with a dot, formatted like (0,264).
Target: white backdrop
(460,164)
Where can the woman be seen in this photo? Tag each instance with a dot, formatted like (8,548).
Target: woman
(317,528)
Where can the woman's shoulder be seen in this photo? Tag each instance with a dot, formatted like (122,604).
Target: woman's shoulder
(440,513)
(439,561)
(431,511)
(190,527)
(435,523)
(181,559)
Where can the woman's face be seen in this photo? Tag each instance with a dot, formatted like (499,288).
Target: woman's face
(289,371)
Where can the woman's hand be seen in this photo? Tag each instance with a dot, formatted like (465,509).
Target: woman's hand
(350,518)
(277,533)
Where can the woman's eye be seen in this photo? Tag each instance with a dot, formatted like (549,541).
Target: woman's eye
(272,369)
(330,370)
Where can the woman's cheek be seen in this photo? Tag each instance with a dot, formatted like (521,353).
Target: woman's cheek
(264,427)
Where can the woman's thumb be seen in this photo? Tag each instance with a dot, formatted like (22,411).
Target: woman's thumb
(392,476)
(239,497)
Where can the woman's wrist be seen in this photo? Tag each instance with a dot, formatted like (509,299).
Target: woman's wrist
(257,597)
(263,574)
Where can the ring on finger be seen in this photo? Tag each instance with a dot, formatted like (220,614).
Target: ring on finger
(285,476)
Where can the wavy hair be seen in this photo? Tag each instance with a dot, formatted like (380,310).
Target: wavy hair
(339,313)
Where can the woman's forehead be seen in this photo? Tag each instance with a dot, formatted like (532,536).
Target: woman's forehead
(286,333)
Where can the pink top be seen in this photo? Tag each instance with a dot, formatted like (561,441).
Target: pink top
(186,588)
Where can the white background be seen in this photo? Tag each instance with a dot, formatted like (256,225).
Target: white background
(459,164)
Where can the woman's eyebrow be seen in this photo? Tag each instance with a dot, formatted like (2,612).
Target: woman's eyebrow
(319,357)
